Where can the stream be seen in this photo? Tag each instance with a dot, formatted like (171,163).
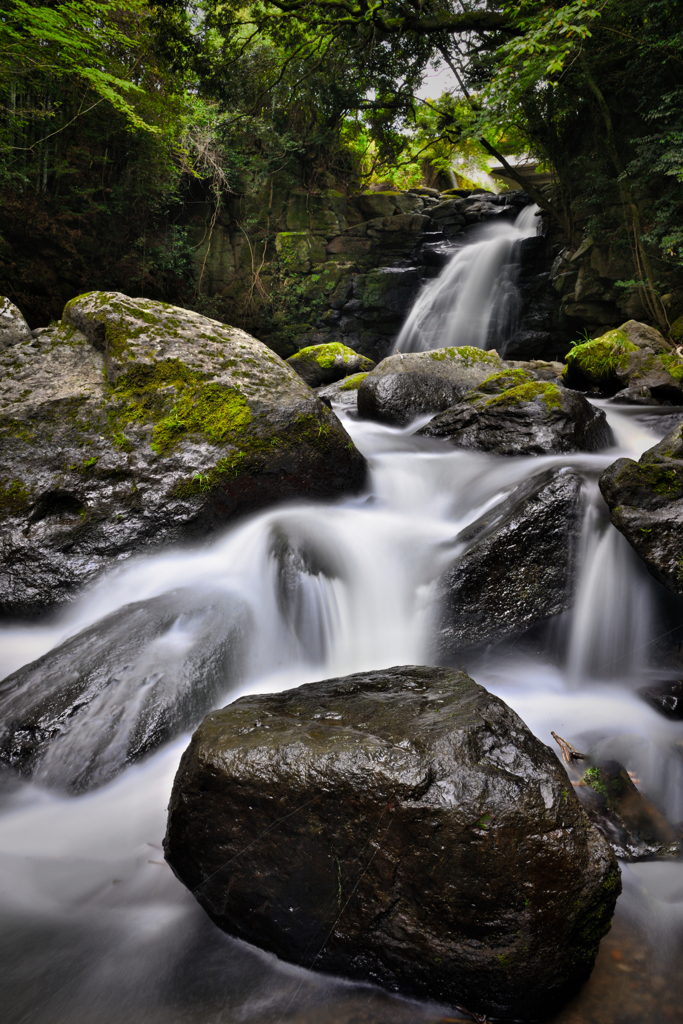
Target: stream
(95,929)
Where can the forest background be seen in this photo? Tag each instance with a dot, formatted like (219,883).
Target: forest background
(117,118)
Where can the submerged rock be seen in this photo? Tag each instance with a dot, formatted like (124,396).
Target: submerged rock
(324,364)
(116,691)
(133,424)
(404,387)
(400,826)
(666,697)
(645,500)
(511,413)
(517,565)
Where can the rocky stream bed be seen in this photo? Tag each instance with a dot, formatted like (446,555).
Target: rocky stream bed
(186,521)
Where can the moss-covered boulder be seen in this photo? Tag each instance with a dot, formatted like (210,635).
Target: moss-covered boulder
(132,424)
(324,364)
(401,826)
(513,413)
(405,386)
(645,499)
(633,352)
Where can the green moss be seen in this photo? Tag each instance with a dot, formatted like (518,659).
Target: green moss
(497,382)
(353,383)
(324,355)
(673,364)
(601,358)
(469,354)
(656,477)
(18,429)
(14,497)
(548,393)
(251,451)
(214,412)
(593,779)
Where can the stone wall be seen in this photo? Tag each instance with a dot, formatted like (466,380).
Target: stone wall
(300,269)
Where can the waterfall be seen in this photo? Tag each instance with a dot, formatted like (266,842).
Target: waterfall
(475,300)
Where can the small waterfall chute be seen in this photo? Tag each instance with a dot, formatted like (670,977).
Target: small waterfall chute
(475,299)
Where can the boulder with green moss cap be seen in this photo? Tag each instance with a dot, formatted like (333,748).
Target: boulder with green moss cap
(634,361)
(324,364)
(645,499)
(513,413)
(405,386)
(133,424)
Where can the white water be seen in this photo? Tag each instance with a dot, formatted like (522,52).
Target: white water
(474,300)
(94,929)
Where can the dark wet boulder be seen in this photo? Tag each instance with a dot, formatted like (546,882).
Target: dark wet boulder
(400,826)
(403,387)
(324,364)
(117,690)
(133,424)
(514,414)
(645,500)
(514,568)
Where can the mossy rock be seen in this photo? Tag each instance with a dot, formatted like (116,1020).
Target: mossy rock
(137,424)
(407,385)
(524,417)
(324,364)
(599,363)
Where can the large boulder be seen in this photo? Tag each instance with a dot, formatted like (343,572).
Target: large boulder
(515,566)
(405,386)
(133,424)
(511,413)
(401,826)
(323,364)
(645,500)
(634,362)
(117,690)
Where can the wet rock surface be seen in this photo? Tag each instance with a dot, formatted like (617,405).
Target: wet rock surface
(645,500)
(119,689)
(323,364)
(517,566)
(404,387)
(512,413)
(134,424)
(666,697)
(400,826)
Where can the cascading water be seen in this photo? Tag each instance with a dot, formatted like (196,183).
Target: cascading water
(93,926)
(474,301)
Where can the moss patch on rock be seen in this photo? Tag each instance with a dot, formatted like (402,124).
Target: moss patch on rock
(469,354)
(548,393)
(353,383)
(14,497)
(324,355)
(600,360)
